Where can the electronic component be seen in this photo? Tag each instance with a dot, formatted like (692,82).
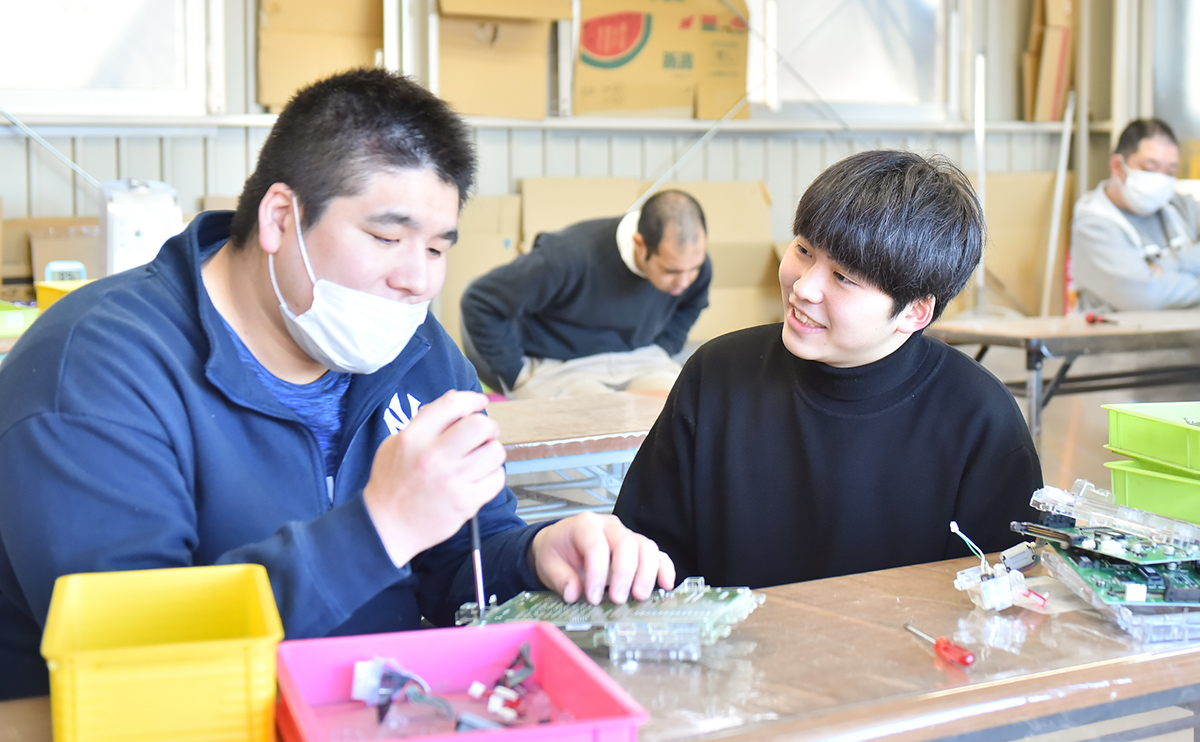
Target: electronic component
(1117,582)
(1112,542)
(671,624)
(996,587)
(1096,508)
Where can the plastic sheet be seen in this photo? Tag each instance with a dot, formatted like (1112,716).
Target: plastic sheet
(830,659)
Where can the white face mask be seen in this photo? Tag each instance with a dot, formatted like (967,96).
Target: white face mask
(1146,192)
(345,329)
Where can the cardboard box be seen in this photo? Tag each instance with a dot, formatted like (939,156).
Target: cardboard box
(488,235)
(17,292)
(17,263)
(1189,157)
(1054,74)
(680,58)
(218,203)
(494,58)
(549,204)
(1018,212)
(1029,81)
(301,41)
(745,289)
(83,244)
(1060,12)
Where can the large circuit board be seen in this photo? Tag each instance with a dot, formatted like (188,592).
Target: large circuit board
(672,624)
(1112,542)
(1118,582)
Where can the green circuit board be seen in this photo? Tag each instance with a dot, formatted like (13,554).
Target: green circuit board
(1113,543)
(1152,584)
(670,623)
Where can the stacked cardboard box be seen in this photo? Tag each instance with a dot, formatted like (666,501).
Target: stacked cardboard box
(1018,212)
(1047,63)
(494,58)
(16,246)
(301,41)
(680,58)
(489,231)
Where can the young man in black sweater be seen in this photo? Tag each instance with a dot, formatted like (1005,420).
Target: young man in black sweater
(851,444)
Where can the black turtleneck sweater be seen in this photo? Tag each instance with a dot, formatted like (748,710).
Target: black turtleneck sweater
(765,469)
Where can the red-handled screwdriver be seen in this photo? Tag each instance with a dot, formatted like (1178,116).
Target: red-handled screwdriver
(945,648)
(1092,318)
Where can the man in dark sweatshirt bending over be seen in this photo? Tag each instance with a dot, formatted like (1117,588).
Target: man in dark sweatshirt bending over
(843,440)
(599,306)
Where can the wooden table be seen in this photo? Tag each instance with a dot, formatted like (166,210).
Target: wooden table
(829,660)
(1072,336)
(581,443)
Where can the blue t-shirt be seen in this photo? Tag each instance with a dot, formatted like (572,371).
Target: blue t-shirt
(319,404)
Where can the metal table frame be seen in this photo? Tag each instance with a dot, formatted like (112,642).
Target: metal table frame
(1069,338)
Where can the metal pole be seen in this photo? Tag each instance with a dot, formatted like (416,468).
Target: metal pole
(1060,184)
(980,162)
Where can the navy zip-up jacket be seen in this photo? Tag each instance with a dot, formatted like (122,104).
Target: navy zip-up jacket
(133,437)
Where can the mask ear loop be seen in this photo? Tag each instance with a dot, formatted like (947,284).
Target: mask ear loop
(303,254)
(300,238)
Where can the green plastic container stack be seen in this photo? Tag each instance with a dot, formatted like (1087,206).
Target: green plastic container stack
(1162,439)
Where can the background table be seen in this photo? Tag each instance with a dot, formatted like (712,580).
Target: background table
(581,444)
(1069,338)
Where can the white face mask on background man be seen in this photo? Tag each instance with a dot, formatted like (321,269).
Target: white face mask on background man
(345,329)
(1146,192)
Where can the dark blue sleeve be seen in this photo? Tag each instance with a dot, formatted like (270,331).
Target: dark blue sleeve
(447,571)
(64,513)
(493,304)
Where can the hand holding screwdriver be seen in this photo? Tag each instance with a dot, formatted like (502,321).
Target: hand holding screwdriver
(945,648)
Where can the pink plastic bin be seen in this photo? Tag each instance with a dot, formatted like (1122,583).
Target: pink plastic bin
(319,671)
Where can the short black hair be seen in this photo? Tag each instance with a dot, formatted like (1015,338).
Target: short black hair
(907,224)
(1139,129)
(336,133)
(670,207)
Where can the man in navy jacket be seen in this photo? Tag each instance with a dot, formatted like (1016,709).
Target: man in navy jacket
(270,389)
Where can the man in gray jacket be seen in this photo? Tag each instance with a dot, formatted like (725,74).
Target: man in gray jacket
(1135,242)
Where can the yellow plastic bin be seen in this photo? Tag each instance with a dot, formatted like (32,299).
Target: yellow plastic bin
(1158,432)
(163,654)
(49,292)
(1142,485)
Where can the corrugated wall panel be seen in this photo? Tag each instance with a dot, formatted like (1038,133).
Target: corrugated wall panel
(99,157)
(627,161)
(184,168)
(51,183)
(750,158)
(494,157)
(14,175)
(141,157)
(595,157)
(561,153)
(227,150)
(527,156)
(218,161)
